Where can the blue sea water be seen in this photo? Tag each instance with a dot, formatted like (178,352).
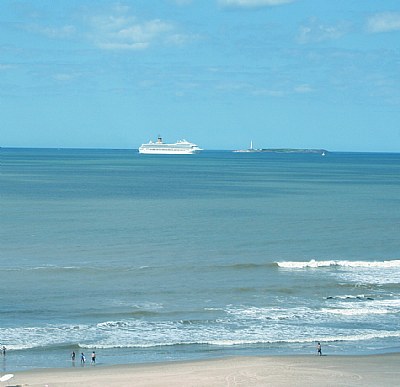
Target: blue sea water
(147,258)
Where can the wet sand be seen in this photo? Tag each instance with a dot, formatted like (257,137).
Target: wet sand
(375,370)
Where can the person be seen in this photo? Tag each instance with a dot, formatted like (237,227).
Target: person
(319,349)
(83,359)
(73,356)
(4,350)
(93,357)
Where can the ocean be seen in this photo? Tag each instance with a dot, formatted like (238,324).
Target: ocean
(146,258)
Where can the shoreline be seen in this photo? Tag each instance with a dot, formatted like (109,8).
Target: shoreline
(285,370)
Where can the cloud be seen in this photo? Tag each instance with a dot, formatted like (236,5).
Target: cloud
(303,89)
(318,32)
(5,66)
(64,77)
(183,2)
(269,92)
(53,32)
(252,3)
(122,31)
(384,22)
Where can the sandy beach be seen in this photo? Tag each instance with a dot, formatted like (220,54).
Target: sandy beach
(375,370)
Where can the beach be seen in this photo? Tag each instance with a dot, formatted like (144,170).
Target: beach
(374,370)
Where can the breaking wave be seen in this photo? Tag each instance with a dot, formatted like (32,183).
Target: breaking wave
(338,263)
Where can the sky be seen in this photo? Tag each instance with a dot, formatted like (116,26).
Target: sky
(220,73)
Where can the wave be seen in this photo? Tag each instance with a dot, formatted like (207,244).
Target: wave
(338,263)
(369,307)
(246,265)
(270,313)
(229,325)
(326,339)
(345,308)
(41,268)
(361,297)
(87,269)
(116,339)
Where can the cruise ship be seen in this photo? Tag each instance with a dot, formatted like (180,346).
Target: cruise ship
(181,147)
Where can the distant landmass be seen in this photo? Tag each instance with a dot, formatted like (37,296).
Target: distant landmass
(322,152)
(293,150)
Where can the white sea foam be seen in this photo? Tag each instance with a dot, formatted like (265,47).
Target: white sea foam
(369,307)
(339,263)
(360,272)
(143,334)
(37,337)
(270,313)
(364,336)
(239,325)
(377,276)
(355,312)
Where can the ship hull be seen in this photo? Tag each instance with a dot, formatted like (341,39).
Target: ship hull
(167,151)
(181,147)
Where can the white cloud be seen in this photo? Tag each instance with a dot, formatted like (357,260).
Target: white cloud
(127,32)
(64,77)
(384,22)
(178,39)
(183,2)
(317,32)
(303,89)
(253,3)
(233,86)
(269,92)
(5,66)
(122,46)
(144,32)
(123,31)
(53,32)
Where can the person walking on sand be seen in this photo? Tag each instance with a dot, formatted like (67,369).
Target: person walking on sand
(93,357)
(319,349)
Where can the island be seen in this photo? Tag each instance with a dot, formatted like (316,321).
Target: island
(321,152)
(294,150)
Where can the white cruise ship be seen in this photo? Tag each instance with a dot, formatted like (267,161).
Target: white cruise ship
(181,147)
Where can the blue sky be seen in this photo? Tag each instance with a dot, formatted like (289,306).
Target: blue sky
(283,73)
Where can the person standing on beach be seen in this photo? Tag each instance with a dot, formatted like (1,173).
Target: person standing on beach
(319,349)
(83,359)
(93,357)
(73,356)
(4,350)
